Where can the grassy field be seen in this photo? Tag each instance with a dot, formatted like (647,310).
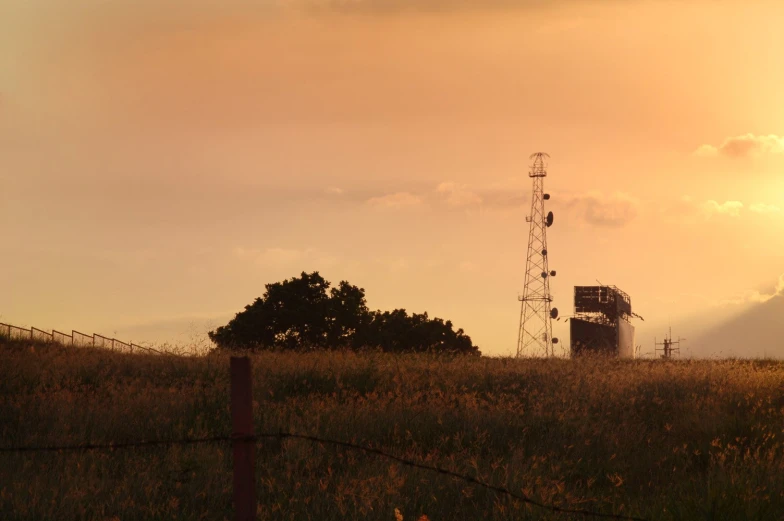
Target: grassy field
(664,441)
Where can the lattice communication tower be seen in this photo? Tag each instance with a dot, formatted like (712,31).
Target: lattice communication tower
(535,333)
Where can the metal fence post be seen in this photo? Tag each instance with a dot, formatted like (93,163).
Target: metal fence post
(244,449)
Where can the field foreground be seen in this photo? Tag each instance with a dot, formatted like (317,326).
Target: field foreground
(663,441)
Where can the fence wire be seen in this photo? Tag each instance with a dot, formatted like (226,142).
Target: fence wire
(102,341)
(82,339)
(41,335)
(18,333)
(61,338)
(323,441)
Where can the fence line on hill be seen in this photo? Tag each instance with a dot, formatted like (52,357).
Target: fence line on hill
(244,442)
(75,338)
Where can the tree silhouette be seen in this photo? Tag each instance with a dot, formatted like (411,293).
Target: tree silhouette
(303,313)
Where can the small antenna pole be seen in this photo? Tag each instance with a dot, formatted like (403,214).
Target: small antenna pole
(668,346)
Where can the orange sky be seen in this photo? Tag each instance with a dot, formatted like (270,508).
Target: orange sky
(160,161)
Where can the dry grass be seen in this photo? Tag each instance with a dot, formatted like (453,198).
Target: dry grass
(666,441)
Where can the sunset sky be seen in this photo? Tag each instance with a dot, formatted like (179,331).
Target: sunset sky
(160,161)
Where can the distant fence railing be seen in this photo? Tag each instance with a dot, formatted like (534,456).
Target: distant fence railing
(75,338)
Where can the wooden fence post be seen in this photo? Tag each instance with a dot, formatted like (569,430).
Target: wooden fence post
(244,449)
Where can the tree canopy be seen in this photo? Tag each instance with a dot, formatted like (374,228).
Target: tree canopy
(305,312)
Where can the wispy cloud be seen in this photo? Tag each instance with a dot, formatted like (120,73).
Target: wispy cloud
(756,296)
(730,208)
(764,208)
(396,200)
(744,146)
(592,208)
(690,209)
(458,195)
(599,209)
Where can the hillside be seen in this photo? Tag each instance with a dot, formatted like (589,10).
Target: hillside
(664,441)
(757,332)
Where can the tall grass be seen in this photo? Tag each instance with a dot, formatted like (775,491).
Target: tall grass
(666,441)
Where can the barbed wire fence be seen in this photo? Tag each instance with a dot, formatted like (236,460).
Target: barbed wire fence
(322,441)
(244,442)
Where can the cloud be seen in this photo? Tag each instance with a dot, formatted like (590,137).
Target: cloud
(458,195)
(396,200)
(598,209)
(706,151)
(744,146)
(756,296)
(764,208)
(689,209)
(730,208)
(335,191)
